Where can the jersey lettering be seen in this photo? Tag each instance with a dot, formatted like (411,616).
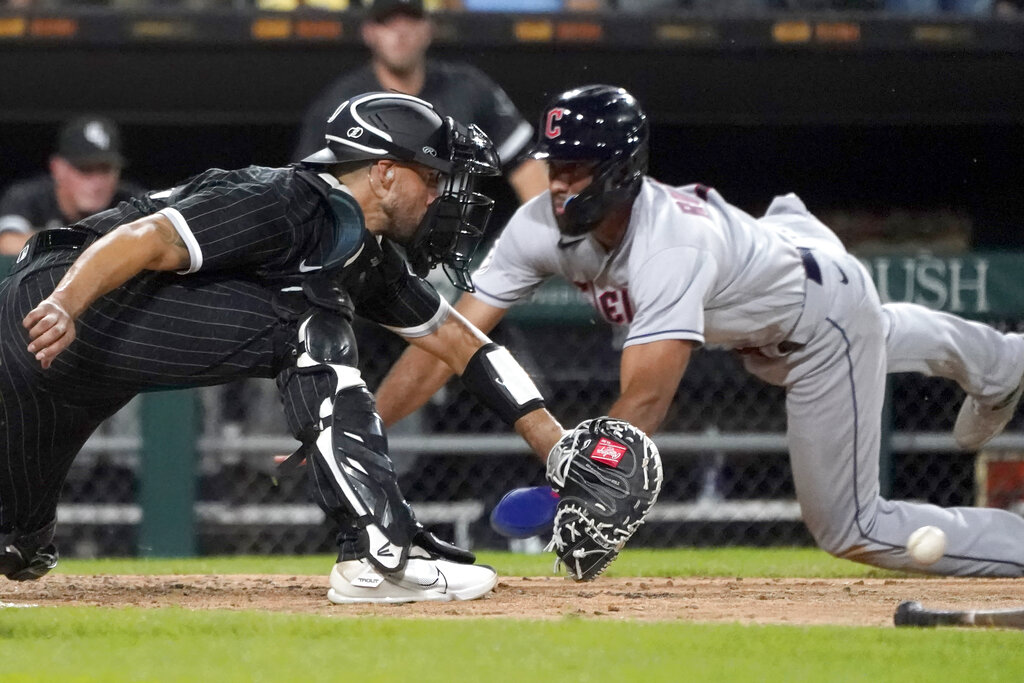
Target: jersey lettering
(688,204)
(614,306)
(551,130)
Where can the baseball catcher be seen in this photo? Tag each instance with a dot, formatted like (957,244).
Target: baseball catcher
(258,272)
(608,474)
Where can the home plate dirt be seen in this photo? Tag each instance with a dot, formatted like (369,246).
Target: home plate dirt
(848,602)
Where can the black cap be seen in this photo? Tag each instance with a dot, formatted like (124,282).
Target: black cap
(382,9)
(90,140)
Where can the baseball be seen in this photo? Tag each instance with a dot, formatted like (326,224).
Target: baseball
(927,544)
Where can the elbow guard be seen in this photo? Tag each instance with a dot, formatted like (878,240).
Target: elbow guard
(500,383)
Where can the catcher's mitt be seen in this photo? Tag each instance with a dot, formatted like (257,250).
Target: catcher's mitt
(608,474)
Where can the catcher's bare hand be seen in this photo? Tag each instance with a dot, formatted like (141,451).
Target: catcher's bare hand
(50,330)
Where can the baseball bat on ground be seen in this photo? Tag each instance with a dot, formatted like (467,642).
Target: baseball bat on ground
(913,613)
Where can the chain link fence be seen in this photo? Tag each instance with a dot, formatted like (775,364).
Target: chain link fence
(727,479)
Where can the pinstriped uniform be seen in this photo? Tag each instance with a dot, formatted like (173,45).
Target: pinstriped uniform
(251,233)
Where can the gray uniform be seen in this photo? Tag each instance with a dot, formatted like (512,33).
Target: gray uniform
(783,288)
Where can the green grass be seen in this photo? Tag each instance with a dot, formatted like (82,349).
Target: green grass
(105,644)
(747,562)
(79,644)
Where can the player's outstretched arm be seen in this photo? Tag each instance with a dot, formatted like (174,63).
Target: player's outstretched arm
(648,377)
(419,372)
(150,243)
(541,431)
(491,374)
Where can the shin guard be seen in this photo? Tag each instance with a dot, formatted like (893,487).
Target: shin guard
(333,414)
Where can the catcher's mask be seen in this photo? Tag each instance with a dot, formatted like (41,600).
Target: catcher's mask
(597,123)
(382,125)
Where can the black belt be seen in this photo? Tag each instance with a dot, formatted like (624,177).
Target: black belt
(60,238)
(52,239)
(810,265)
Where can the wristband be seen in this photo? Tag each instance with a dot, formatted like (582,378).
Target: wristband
(495,378)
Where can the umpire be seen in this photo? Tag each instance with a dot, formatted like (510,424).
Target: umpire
(257,273)
(398,34)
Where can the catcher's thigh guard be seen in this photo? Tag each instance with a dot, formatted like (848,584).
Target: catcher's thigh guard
(334,415)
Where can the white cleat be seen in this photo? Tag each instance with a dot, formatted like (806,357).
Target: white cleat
(977,424)
(358,581)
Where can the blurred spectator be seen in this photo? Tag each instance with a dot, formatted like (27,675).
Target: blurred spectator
(976,7)
(1008,8)
(512,5)
(84,178)
(717,7)
(290,5)
(398,34)
(650,5)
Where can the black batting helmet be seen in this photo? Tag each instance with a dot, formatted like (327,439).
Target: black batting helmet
(600,123)
(387,125)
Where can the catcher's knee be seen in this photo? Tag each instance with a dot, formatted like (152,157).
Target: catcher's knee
(326,359)
(327,338)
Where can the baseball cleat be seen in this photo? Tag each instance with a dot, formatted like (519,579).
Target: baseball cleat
(358,581)
(19,565)
(977,424)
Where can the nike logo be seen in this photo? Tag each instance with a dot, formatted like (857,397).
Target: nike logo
(845,280)
(303,268)
(565,243)
(439,579)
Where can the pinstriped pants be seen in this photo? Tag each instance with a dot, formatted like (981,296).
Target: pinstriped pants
(158,331)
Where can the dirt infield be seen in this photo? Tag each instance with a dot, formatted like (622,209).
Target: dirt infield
(849,602)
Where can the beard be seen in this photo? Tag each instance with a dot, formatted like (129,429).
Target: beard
(403,221)
(567,221)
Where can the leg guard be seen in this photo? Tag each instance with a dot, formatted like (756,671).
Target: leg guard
(332,412)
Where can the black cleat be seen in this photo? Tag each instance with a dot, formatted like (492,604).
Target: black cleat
(16,566)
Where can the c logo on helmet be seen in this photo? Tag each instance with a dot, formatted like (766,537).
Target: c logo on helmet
(551,130)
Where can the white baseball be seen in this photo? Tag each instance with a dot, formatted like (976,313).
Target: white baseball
(927,544)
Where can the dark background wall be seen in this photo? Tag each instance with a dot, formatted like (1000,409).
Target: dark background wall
(886,122)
